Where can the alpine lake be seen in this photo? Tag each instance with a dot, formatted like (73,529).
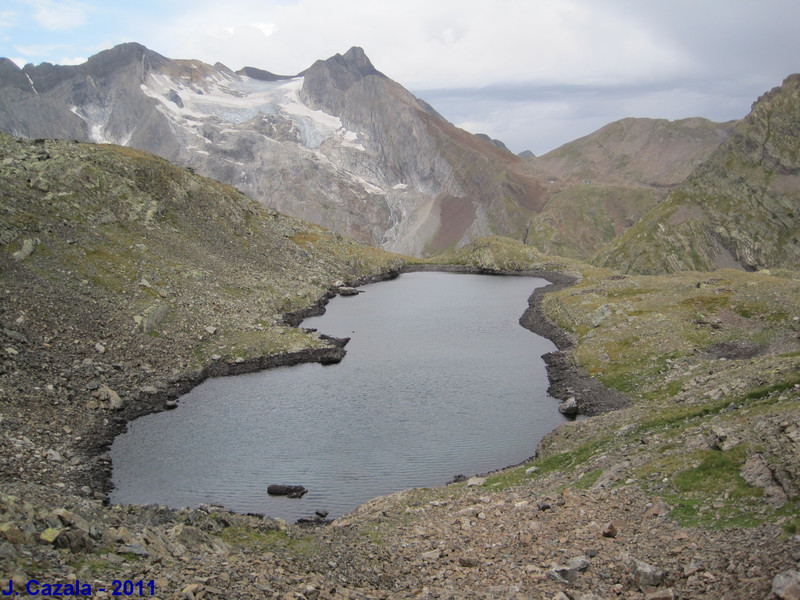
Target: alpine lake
(440,379)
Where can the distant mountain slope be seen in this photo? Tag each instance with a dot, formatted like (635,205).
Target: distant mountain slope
(741,208)
(340,144)
(601,184)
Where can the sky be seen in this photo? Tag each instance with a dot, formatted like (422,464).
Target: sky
(534,74)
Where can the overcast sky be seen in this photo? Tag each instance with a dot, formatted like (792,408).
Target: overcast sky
(533,73)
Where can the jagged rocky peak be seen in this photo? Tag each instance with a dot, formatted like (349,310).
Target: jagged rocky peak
(492,140)
(11,75)
(325,82)
(353,62)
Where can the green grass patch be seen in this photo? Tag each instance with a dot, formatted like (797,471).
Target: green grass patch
(588,479)
(708,304)
(563,462)
(711,493)
(679,415)
(764,391)
(749,310)
(717,472)
(267,541)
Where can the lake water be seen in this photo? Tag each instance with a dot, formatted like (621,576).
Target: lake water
(439,380)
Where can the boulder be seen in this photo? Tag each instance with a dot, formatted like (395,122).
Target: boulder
(292,491)
(569,408)
(786,585)
(646,574)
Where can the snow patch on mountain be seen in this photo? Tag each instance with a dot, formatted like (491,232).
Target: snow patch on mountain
(238,100)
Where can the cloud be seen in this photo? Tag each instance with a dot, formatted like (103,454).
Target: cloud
(58,15)
(520,70)
(75,60)
(266,28)
(448,43)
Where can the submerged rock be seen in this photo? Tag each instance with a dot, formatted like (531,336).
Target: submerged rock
(292,491)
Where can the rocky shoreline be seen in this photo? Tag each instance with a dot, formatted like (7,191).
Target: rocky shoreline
(566,379)
(159,400)
(545,536)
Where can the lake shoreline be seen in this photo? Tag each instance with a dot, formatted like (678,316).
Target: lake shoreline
(564,377)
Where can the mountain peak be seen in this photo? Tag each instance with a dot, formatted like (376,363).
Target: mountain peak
(344,69)
(261,74)
(107,62)
(356,61)
(326,80)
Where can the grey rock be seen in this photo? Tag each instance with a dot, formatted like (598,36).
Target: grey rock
(786,585)
(137,549)
(27,249)
(114,400)
(292,491)
(469,560)
(579,563)
(563,574)
(757,472)
(599,315)
(662,594)
(646,574)
(609,530)
(569,407)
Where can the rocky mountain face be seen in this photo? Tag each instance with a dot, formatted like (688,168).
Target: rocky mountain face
(340,144)
(738,209)
(601,184)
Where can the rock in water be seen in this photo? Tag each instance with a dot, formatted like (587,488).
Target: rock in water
(292,491)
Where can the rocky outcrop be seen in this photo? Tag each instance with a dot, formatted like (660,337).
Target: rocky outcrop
(738,209)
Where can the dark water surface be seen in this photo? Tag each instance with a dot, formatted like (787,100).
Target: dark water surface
(439,379)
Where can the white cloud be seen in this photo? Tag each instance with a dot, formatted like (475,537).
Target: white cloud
(75,60)
(57,15)
(266,28)
(8,18)
(533,73)
(423,44)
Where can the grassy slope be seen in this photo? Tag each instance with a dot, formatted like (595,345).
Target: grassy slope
(603,183)
(711,362)
(737,209)
(150,238)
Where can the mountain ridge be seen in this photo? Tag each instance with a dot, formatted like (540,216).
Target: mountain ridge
(340,144)
(599,185)
(738,209)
